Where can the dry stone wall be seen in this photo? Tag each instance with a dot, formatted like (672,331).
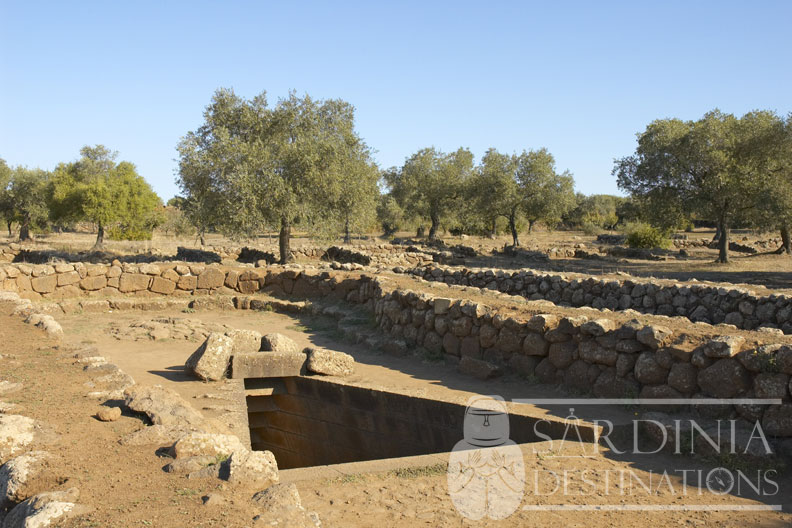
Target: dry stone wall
(591,355)
(698,302)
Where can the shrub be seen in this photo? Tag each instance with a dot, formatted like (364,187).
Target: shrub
(646,237)
(591,228)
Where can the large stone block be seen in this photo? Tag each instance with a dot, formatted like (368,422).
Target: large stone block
(211,278)
(329,362)
(161,285)
(268,365)
(93,282)
(210,362)
(45,284)
(725,378)
(132,282)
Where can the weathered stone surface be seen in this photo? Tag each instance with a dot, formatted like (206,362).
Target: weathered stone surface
(508,340)
(211,360)
(17,474)
(16,432)
(784,359)
(205,444)
(541,323)
(44,284)
(109,414)
(760,359)
(777,420)
(648,371)
(269,365)
(244,340)
(683,377)
(251,468)
(769,385)
(46,323)
(525,365)
(441,305)
(66,279)
(723,346)
(278,497)
(725,378)
(211,278)
(42,510)
(608,385)
(162,285)
(535,345)
(93,283)
(478,368)
(329,362)
(592,352)
(150,269)
(469,346)
(187,282)
(597,327)
(653,336)
(561,355)
(278,343)
(163,406)
(132,282)
(9,387)
(183,466)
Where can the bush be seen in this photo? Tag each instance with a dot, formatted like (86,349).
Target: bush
(646,237)
(591,228)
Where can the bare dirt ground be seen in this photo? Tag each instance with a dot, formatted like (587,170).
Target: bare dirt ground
(125,486)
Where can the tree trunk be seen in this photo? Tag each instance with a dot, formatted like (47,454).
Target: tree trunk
(24,231)
(494,228)
(99,244)
(530,225)
(433,228)
(717,233)
(513,227)
(10,233)
(283,241)
(419,233)
(786,241)
(202,238)
(347,238)
(723,242)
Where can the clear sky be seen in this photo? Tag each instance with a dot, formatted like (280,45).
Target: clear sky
(580,78)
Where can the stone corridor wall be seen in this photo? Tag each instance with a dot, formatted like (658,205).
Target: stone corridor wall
(599,356)
(698,302)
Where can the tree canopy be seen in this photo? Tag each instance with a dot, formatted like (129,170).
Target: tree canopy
(25,199)
(251,165)
(431,184)
(97,189)
(715,166)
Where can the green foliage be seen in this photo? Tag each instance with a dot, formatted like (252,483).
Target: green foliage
(251,165)
(24,199)
(549,195)
(390,215)
(716,167)
(431,184)
(599,212)
(175,222)
(646,237)
(111,195)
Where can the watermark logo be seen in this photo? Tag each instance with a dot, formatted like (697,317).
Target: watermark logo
(487,475)
(486,472)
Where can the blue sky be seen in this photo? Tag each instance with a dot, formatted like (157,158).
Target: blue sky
(580,78)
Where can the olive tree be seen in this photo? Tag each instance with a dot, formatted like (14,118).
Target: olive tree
(251,165)
(548,194)
(25,199)
(97,189)
(431,184)
(709,166)
(5,208)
